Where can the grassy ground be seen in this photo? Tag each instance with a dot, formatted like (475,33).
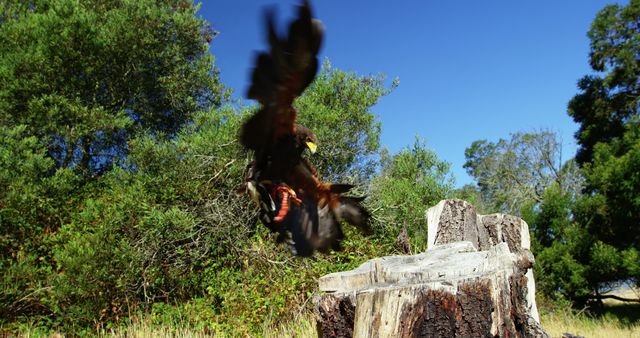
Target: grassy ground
(304,326)
(554,323)
(619,320)
(581,325)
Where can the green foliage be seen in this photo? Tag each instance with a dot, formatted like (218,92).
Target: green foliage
(337,107)
(472,194)
(607,102)
(85,77)
(168,234)
(514,173)
(30,209)
(27,189)
(612,210)
(573,261)
(609,138)
(409,183)
(614,175)
(558,243)
(553,216)
(153,230)
(81,80)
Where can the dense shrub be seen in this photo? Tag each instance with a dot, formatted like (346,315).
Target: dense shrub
(409,183)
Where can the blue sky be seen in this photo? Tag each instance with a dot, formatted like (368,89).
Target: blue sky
(468,70)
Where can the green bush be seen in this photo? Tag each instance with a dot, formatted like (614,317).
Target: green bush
(409,183)
(32,207)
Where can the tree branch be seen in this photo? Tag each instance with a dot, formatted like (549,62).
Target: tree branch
(622,299)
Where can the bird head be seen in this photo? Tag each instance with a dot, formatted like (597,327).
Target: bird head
(306,138)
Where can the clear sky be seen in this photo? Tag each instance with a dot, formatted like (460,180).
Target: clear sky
(468,70)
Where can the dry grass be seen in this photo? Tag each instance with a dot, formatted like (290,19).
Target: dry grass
(558,323)
(145,330)
(555,324)
(303,327)
(618,320)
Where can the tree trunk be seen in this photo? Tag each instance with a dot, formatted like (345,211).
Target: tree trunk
(471,282)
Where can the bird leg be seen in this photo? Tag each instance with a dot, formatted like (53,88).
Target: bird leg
(285,193)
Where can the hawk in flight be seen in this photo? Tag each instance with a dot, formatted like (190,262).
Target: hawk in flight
(293,201)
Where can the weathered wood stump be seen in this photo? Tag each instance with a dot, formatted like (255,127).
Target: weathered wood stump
(475,280)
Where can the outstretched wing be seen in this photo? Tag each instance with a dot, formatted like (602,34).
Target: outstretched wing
(314,227)
(281,75)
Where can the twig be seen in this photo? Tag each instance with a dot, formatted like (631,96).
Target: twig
(622,299)
(32,293)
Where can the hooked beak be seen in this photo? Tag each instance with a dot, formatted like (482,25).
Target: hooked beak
(312,147)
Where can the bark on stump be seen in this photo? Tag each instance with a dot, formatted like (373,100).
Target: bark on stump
(473,281)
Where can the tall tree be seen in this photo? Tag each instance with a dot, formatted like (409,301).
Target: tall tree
(79,82)
(174,228)
(85,76)
(611,97)
(608,112)
(592,243)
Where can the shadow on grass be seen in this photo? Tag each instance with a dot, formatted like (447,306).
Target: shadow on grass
(627,313)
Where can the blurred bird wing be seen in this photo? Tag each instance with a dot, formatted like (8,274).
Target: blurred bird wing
(280,76)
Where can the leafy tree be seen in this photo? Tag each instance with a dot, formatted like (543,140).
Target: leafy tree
(611,97)
(609,138)
(513,173)
(409,183)
(587,245)
(86,84)
(573,260)
(555,242)
(614,209)
(613,179)
(608,113)
(81,82)
(85,77)
(152,232)
(32,206)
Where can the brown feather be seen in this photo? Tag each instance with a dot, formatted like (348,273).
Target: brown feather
(280,75)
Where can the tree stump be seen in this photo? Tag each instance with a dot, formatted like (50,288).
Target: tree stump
(473,281)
